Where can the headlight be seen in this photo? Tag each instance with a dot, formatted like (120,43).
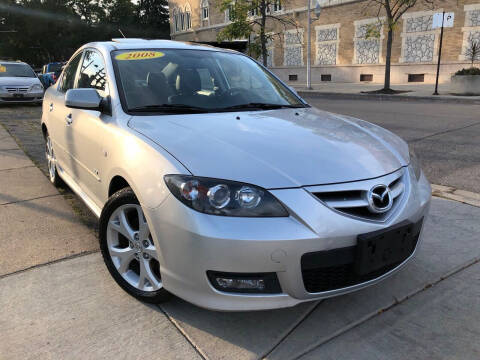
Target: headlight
(223,197)
(36,87)
(415,164)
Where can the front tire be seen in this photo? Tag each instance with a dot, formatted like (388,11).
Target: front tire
(128,249)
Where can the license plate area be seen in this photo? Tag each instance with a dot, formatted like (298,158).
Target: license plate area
(18,95)
(384,248)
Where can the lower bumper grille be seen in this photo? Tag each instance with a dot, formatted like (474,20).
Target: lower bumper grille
(336,269)
(17,99)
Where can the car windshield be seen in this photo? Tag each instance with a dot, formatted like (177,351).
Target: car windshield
(16,70)
(174,80)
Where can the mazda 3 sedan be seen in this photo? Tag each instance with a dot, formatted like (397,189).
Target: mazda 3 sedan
(214,181)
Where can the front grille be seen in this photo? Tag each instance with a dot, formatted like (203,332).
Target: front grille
(351,198)
(17,89)
(336,269)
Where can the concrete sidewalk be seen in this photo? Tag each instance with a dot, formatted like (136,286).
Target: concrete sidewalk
(415,92)
(57,299)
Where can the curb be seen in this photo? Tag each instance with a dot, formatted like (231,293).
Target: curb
(451,193)
(385,97)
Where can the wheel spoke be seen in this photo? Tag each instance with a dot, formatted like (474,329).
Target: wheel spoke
(120,224)
(143,230)
(124,256)
(146,274)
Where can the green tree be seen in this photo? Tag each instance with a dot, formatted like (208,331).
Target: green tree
(393,9)
(253,19)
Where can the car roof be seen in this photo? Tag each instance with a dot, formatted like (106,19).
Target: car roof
(12,62)
(129,43)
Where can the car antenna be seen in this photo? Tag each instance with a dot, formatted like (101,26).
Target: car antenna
(120,31)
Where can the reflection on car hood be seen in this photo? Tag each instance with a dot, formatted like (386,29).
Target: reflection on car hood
(277,148)
(19,81)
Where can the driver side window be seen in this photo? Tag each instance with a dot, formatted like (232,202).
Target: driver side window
(68,77)
(92,73)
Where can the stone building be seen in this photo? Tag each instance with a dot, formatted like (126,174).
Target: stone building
(341,50)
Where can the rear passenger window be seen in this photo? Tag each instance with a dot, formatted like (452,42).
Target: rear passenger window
(92,73)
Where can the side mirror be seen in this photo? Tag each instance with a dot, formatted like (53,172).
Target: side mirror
(87,99)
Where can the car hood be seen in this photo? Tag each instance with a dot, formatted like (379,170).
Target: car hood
(19,81)
(277,148)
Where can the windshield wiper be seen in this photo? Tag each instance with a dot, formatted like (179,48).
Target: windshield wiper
(179,108)
(262,106)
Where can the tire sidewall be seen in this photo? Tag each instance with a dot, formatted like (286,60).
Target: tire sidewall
(123,197)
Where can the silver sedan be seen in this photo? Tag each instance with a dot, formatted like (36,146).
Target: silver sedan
(214,181)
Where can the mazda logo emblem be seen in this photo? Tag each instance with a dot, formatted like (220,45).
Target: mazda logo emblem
(379,199)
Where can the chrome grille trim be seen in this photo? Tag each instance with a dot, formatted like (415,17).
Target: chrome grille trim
(350,198)
(12,89)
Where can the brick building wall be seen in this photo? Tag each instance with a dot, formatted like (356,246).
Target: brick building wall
(339,46)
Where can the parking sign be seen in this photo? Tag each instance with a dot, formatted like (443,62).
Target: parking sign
(448,19)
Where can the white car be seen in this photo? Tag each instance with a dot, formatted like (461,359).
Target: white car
(19,83)
(216,182)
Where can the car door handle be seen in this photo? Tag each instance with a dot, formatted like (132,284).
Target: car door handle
(69,119)
(51,107)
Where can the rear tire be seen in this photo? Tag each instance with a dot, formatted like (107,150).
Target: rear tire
(128,248)
(52,163)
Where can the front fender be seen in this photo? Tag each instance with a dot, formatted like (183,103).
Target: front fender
(143,164)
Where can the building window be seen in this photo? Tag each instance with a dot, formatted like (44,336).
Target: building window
(366,77)
(277,6)
(175,20)
(229,13)
(182,21)
(187,18)
(418,37)
(205,9)
(416,77)
(471,29)
(368,47)
(327,40)
(293,48)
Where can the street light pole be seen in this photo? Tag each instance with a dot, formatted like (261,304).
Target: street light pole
(318,10)
(309,47)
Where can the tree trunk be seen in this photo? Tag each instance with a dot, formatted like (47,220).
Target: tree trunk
(263,37)
(388,60)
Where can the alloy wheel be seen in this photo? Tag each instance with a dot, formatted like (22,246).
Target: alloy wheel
(131,248)
(50,155)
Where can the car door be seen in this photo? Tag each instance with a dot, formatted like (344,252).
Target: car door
(86,132)
(58,124)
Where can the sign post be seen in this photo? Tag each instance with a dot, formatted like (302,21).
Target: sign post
(441,20)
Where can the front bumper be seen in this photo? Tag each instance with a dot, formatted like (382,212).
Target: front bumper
(26,97)
(192,243)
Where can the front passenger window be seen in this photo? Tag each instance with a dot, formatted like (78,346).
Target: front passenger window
(68,78)
(92,73)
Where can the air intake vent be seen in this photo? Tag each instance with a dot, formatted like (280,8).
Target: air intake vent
(355,198)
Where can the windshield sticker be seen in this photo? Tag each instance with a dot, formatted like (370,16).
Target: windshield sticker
(139,55)
(3,68)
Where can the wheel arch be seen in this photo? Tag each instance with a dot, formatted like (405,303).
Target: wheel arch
(44,130)
(117,183)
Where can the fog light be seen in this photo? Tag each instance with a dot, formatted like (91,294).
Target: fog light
(245,282)
(227,283)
